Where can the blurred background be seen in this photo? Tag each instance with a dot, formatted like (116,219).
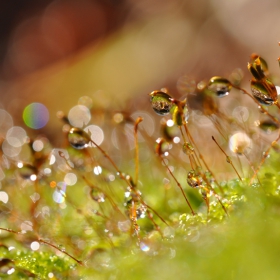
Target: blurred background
(117,51)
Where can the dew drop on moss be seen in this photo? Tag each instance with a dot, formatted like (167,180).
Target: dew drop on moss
(220,86)
(194,180)
(261,93)
(161,102)
(268,126)
(97,196)
(78,138)
(188,149)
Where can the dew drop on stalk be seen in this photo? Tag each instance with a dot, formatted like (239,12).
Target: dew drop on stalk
(220,86)
(97,195)
(161,102)
(78,138)
(194,180)
(161,147)
(135,209)
(268,126)
(261,93)
(188,149)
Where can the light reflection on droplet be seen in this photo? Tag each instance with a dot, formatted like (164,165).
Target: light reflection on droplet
(33,177)
(97,170)
(144,247)
(50,275)
(176,140)
(170,123)
(35,246)
(52,159)
(79,116)
(11,271)
(16,136)
(70,179)
(9,150)
(38,145)
(4,197)
(96,134)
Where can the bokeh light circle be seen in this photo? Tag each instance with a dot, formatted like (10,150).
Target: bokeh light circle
(35,115)
(79,116)
(96,134)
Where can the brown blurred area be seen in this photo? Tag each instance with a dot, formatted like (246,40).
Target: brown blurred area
(114,51)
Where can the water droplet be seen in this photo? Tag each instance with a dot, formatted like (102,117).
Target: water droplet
(97,195)
(70,179)
(220,86)
(260,61)
(78,138)
(27,171)
(262,92)
(188,149)
(97,170)
(161,147)
(268,126)
(194,180)
(6,266)
(161,102)
(134,207)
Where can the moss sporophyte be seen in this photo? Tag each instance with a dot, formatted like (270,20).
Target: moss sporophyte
(129,192)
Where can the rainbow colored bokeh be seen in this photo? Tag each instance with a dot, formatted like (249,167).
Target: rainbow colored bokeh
(35,115)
